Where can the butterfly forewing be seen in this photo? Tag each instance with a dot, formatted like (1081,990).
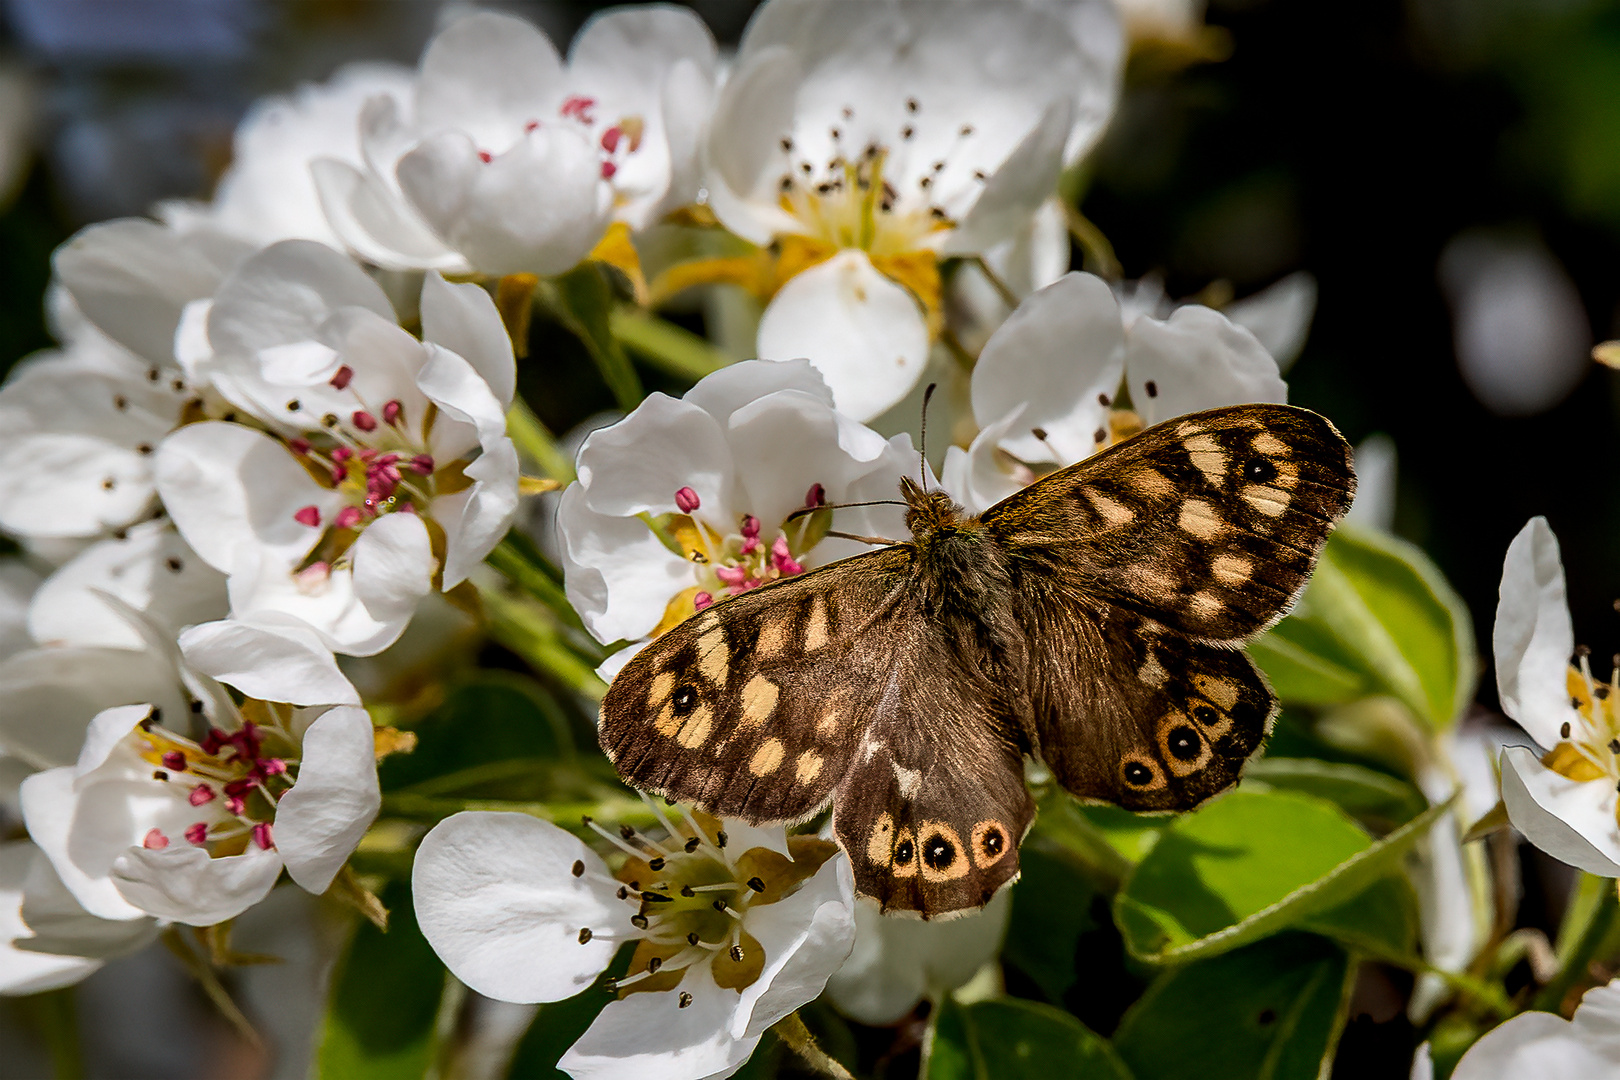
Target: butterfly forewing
(1208,524)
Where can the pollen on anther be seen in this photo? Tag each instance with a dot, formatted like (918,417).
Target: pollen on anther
(685,1000)
(737,953)
(691,844)
(720,838)
(756,884)
(639,922)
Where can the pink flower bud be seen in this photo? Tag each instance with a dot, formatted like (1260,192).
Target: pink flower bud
(342,377)
(309,515)
(610,138)
(687,500)
(817,496)
(155,840)
(342,454)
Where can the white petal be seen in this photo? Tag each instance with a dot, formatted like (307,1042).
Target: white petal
(862,331)
(150,568)
(753,110)
(1197,359)
(496,899)
(82,853)
(723,392)
(393,566)
(475,520)
(321,820)
(1016,190)
(805,937)
(975,475)
(1571,820)
(266,592)
(60,925)
(1053,357)
(183,884)
(786,442)
(51,694)
(1279,315)
(377,224)
(453,384)
(1375,461)
(672,445)
(1534,638)
(281,296)
(283,664)
(489,74)
(22,971)
(226,484)
(617,574)
(1422,1064)
(649,1034)
(1541,1044)
(463,319)
(63,484)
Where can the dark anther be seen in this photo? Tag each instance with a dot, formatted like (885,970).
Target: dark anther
(903,853)
(1039,433)
(1260,471)
(611,985)
(980,175)
(1138,774)
(108,484)
(153,374)
(1563,732)
(173,564)
(1614,746)
(156,715)
(1575,702)
(196,705)
(737,953)
(657,898)
(720,838)
(967,129)
(1151,387)
(907,132)
(178,385)
(692,938)
(686,999)
(756,884)
(584,934)
(584,819)
(1101,435)
(159,774)
(120,402)
(787,144)
(938,852)
(656,864)
(293,405)
(1600,692)
(627,832)
(787,183)
(1104,400)
(1267,1016)
(1582,651)
(684,700)
(639,922)
(937,213)
(624,893)
(925,182)
(836,134)
(692,844)
(686,890)
(143,448)
(1184,743)
(654,964)
(120,534)
(579,868)
(719,905)
(911,104)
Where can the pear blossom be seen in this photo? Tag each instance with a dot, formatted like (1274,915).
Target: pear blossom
(386,471)
(871,141)
(1564,799)
(1050,386)
(506,160)
(1584,1047)
(719,473)
(734,928)
(190,813)
(897,963)
(268,193)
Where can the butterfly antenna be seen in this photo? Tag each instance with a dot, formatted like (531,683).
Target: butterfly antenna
(803,510)
(922,464)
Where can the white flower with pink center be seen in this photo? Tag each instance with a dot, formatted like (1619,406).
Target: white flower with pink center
(1070,373)
(190,815)
(687,502)
(387,471)
(734,928)
(510,161)
(873,140)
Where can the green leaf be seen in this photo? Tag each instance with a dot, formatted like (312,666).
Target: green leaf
(1012,1039)
(381,1016)
(1054,906)
(583,300)
(1272,1011)
(1253,863)
(500,727)
(1378,617)
(1363,793)
(672,349)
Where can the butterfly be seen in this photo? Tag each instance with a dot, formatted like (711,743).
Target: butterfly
(1093,620)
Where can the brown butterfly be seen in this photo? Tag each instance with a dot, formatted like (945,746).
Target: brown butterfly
(1093,620)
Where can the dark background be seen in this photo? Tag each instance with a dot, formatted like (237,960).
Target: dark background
(1351,140)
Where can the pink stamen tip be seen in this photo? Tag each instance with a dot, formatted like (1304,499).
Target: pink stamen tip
(342,454)
(309,515)
(238,788)
(273,766)
(405,508)
(750,525)
(339,474)
(687,500)
(751,545)
(368,454)
(174,761)
(201,794)
(235,804)
(610,139)
(731,575)
(364,420)
(485,156)
(262,837)
(347,518)
(155,840)
(298,446)
(198,833)
(391,412)
(701,601)
(422,464)
(817,496)
(782,558)
(214,741)
(530,126)
(608,169)
(341,378)
(578,107)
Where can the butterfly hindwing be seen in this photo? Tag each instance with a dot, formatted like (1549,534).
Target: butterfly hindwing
(753,708)
(1208,524)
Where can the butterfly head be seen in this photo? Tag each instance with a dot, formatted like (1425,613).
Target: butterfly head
(927,511)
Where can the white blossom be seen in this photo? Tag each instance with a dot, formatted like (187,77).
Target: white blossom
(734,928)
(1585,1047)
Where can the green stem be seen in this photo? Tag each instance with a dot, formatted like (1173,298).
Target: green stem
(792,1031)
(533,634)
(1484,993)
(582,301)
(1097,254)
(54,1015)
(536,443)
(1003,290)
(520,568)
(1589,933)
(208,979)
(671,349)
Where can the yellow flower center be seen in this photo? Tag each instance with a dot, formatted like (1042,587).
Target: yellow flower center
(1589,748)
